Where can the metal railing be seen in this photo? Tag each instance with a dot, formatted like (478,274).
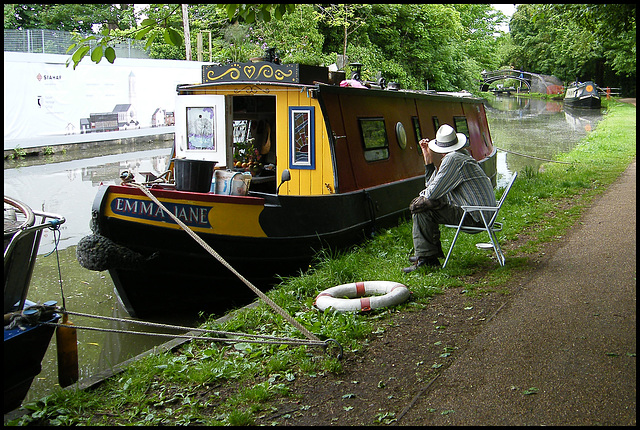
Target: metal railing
(57,42)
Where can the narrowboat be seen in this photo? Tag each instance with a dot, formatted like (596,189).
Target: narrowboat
(273,162)
(26,336)
(582,95)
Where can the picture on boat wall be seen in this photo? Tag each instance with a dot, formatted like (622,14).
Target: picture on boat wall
(200,128)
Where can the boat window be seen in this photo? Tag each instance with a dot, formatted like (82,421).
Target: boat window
(401,135)
(374,137)
(302,138)
(461,125)
(416,128)
(201,131)
(417,132)
(484,138)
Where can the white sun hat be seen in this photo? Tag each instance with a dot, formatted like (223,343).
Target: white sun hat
(447,140)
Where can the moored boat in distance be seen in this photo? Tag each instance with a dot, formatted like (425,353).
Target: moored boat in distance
(582,95)
(26,338)
(303,158)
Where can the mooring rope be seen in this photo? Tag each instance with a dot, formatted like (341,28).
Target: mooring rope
(211,251)
(276,341)
(41,313)
(203,330)
(531,156)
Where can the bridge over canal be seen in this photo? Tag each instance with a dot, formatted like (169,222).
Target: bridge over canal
(532,81)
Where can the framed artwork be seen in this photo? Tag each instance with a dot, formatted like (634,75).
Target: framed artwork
(302,137)
(201,128)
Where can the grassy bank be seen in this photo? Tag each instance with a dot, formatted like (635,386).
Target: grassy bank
(209,383)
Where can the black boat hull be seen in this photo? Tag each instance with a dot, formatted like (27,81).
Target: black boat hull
(589,102)
(176,275)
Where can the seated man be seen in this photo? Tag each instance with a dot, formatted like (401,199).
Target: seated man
(454,179)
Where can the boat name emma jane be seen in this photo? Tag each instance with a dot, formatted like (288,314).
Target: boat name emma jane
(189,214)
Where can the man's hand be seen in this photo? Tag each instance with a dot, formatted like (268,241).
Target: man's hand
(426,152)
(422,204)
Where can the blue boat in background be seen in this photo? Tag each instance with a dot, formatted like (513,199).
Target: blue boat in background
(26,337)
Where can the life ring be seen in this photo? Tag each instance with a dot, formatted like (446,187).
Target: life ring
(393,293)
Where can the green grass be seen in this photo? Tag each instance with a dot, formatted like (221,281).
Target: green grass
(183,387)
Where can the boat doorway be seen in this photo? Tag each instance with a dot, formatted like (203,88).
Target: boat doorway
(253,145)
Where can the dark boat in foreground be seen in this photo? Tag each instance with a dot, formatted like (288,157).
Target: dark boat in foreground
(582,95)
(273,162)
(26,338)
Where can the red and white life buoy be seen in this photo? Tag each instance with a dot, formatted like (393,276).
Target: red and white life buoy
(393,293)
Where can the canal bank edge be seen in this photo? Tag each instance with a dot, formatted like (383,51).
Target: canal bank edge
(109,146)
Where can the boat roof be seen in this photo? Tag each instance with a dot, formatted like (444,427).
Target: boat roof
(302,77)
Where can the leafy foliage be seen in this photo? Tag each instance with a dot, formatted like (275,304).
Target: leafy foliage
(576,42)
(443,46)
(68,17)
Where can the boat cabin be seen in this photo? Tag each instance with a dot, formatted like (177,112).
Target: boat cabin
(332,137)
(324,162)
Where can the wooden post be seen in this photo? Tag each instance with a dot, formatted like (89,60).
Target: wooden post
(187,35)
(199,47)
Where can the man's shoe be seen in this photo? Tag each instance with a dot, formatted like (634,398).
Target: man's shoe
(422,262)
(413,258)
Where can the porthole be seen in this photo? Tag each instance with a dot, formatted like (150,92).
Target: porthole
(401,135)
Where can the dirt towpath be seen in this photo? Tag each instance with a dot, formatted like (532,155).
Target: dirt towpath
(557,349)
(562,352)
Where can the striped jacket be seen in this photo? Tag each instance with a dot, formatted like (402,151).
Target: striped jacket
(460,180)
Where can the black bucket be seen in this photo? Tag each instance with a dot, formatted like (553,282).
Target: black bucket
(193,175)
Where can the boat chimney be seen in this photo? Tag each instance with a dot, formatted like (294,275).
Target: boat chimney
(355,74)
(271,56)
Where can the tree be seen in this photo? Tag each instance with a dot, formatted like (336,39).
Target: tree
(106,39)
(187,36)
(162,28)
(342,16)
(417,45)
(296,37)
(576,41)
(612,25)
(478,40)
(68,17)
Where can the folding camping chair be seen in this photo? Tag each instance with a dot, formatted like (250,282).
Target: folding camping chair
(491,227)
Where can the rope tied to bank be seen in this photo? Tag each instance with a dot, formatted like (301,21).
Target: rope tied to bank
(258,338)
(222,261)
(531,156)
(290,340)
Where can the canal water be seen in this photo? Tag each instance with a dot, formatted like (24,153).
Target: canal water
(527,131)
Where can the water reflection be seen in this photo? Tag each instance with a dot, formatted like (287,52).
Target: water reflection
(68,188)
(528,131)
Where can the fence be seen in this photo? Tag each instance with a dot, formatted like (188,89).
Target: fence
(57,42)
